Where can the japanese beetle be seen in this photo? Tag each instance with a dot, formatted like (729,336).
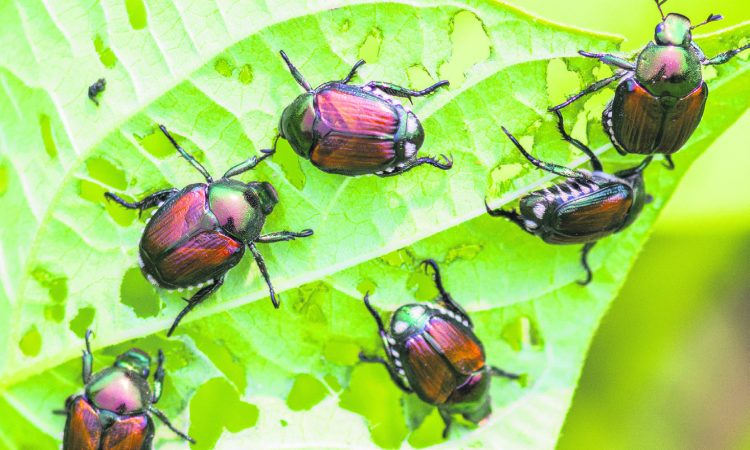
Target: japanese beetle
(660,99)
(432,351)
(198,233)
(585,207)
(356,130)
(116,408)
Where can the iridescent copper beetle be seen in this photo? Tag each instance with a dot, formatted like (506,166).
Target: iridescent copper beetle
(356,130)
(116,408)
(659,101)
(432,351)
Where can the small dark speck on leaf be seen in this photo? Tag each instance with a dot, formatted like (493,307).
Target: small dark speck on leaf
(97,88)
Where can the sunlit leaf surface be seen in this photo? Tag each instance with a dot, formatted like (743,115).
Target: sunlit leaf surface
(241,374)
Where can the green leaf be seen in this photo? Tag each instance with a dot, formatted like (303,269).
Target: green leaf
(238,371)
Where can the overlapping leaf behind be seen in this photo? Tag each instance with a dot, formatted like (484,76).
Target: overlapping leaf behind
(240,373)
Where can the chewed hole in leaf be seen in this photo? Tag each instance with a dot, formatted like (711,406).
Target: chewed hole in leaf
(429,432)
(94,193)
(49,141)
(367,285)
(399,258)
(107,173)
(341,352)
(56,284)
(384,417)
(465,252)
(425,286)
(31,342)
(82,321)
(419,77)
(290,163)
(137,14)
(246,74)
(561,82)
(137,293)
(522,332)
(220,355)
(216,406)
(224,67)
(106,55)
(370,48)
(4,178)
(157,144)
(307,391)
(470,45)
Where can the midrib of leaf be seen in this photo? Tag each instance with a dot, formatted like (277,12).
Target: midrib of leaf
(155,325)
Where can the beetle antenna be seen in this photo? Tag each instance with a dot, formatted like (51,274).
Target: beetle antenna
(187,155)
(295,73)
(658,5)
(711,18)
(549,167)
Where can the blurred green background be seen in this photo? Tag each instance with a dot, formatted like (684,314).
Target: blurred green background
(670,367)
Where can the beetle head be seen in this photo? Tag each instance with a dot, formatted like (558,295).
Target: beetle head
(135,360)
(266,194)
(674,30)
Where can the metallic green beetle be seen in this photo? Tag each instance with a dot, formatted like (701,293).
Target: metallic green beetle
(659,101)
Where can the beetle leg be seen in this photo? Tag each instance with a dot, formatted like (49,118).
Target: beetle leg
(445,297)
(158,378)
(386,346)
(585,263)
(548,167)
(194,162)
(418,162)
(497,372)
(166,421)
(448,420)
(610,60)
(394,376)
(722,58)
(88,359)
(511,215)
(353,72)
(279,236)
(399,91)
(193,301)
(595,163)
(640,167)
(668,162)
(295,73)
(598,85)
(141,205)
(263,271)
(251,162)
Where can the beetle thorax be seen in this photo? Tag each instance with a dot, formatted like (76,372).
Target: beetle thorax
(407,319)
(241,208)
(297,122)
(119,390)
(414,136)
(668,70)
